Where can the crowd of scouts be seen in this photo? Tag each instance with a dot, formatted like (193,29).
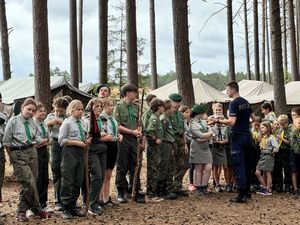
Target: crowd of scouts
(176,138)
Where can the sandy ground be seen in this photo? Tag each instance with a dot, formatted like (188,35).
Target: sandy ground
(212,209)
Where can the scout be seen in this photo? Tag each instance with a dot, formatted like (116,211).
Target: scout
(72,136)
(180,147)
(43,157)
(53,122)
(154,136)
(148,112)
(126,114)
(20,136)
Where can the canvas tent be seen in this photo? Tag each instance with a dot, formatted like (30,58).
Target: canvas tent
(202,91)
(86,87)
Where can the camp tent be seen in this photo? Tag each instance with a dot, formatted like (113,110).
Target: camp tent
(202,91)
(250,88)
(86,87)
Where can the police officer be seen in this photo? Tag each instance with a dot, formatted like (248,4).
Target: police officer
(239,117)
(180,147)
(126,114)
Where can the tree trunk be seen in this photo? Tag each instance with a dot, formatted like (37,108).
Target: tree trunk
(230,41)
(131,42)
(103,16)
(256,40)
(80,24)
(279,89)
(154,83)
(41,52)
(182,51)
(298,30)
(264,40)
(247,40)
(4,42)
(293,46)
(285,61)
(268,46)
(73,43)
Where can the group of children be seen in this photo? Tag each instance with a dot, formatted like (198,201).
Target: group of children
(177,137)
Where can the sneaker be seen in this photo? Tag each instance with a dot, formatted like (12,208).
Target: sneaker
(58,207)
(150,199)
(48,209)
(205,190)
(21,217)
(43,214)
(77,212)
(263,191)
(95,211)
(29,213)
(110,203)
(218,188)
(170,196)
(67,214)
(192,188)
(200,191)
(121,197)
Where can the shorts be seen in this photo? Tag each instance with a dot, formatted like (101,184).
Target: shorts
(294,162)
(112,152)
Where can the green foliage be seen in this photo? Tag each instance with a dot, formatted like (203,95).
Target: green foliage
(57,72)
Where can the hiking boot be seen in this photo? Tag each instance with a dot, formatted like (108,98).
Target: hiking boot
(121,197)
(95,210)
(21,217)
(170,196)
(182,192)
(139,198)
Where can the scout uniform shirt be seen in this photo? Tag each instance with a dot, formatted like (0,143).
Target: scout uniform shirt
(168,132)
(220,133)
(55,128)
(112,125)
(268,145)
(284,133)
(42,128)
(126,114)
(178,123)
(295,141)
(72,129)
(20,132)
(3,119)
(154,129)
(146,117)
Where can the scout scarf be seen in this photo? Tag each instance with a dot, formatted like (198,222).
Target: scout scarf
(27,131)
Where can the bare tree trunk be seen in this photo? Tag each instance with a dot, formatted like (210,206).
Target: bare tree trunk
(41,52)
(73,43)
(264,40)
(154,83)
(285,60)
(247,40)
(256,40)
(4,42)
(103,17)
(131,42)
(80,24)
(279,89)
(182,51)
(268,46)
(298,30)
(230,41)
(293,46)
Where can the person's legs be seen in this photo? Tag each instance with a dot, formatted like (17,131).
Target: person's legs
(206,174)
(260,178)
(269,180)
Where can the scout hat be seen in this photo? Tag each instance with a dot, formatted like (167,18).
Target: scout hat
(101,86)
(198,109)
(175,97)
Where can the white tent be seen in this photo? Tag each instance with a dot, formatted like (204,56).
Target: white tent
(202,91)
(86,87)
(292,92)
(250,88)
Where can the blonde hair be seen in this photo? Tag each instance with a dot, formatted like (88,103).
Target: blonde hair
(106,102)
(217,105)
(94,101)
(283,118)
(72,106)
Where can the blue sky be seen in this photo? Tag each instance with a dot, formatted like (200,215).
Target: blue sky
(208,49)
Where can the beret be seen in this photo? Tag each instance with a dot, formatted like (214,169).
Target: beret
(101,86)
(198,109)
(175,97)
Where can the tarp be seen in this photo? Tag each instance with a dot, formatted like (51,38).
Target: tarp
(292,92)
(251,88)
(202,91)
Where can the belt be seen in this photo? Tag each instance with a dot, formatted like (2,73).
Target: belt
(25,147)
(98,142)
(265,153)
(55,139)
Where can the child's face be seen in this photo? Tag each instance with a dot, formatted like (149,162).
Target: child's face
(28,111)
(204,116)
(218,111)
(77,112)
(97,109)
(294,114)
(103,92)
(109,110)
(297,123)
(255,125)
(283,124)
(41,113)
(59,111)
(186,114)
(263,129)
(161,109)
(264,111)
(276,125)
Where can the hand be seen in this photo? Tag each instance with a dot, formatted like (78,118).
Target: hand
(88,140)
(141,147)
(137,133)
(158,141)
(81,144)
(120,138)
(102,134)
(58,122)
